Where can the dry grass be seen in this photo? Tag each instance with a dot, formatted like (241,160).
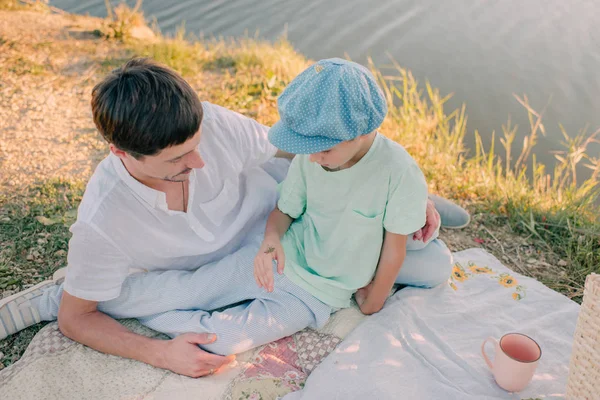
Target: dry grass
(16,5)
(121,20)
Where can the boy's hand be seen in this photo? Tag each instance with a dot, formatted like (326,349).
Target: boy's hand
(270,250)
(368,303)
(368,308)
(362,294)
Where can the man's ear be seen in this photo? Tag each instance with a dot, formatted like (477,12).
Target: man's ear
(122,154)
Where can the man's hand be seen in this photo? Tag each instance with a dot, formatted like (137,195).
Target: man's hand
(80,320)
(183,356)
(431,223)
(270,250)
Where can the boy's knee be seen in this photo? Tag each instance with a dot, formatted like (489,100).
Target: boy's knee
(442,259)
(428,267)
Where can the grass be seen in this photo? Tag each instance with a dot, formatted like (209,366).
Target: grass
(34,237)
(251,73)
(34,233)
(23,66)
(18,5)
(553,208)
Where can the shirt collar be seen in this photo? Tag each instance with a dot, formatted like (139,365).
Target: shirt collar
(149,195)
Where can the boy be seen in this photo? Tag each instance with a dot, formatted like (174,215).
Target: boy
(351,199)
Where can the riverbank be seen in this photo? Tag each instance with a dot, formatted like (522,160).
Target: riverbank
(543,227)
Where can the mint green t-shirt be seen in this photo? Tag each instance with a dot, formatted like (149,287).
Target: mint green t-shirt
(332,247)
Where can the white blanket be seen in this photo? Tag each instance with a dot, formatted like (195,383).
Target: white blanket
(425,344)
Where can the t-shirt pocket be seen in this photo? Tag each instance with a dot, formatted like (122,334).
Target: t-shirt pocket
(366,226)
(368,217)
(364,238)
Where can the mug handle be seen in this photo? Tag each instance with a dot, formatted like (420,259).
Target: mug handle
(485,357)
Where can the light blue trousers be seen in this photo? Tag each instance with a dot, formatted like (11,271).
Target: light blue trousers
(177,302)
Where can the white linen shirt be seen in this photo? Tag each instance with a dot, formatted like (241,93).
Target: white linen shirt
(123,226)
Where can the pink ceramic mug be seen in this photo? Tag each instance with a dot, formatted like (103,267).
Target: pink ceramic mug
(516,358)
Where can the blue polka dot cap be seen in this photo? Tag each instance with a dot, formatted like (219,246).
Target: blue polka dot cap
(331,102)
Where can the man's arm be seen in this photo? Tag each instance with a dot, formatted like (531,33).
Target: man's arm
(432,222)
(247,137)
(81,321)
(284,154)
(372,297)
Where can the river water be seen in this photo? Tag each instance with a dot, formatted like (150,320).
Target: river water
(483,51)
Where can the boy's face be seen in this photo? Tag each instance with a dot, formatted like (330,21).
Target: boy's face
(172,164)
(339,155)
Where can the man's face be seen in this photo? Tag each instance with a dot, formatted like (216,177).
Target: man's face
(172,164)
(338,155)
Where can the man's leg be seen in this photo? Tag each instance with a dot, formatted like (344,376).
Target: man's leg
(209,287)
(19,311)
(271,316)
(173,302)
(176,302)
(452,215)
(212,286)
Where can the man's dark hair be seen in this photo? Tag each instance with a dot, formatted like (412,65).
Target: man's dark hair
(144,107)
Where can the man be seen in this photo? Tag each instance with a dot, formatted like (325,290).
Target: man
(186,185)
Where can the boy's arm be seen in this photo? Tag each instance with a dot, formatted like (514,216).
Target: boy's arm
(271,249)
(392,257)
(277,224)
(291,205)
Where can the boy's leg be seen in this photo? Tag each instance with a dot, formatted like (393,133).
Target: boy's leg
(427,264)
(271,316)
(427,267)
